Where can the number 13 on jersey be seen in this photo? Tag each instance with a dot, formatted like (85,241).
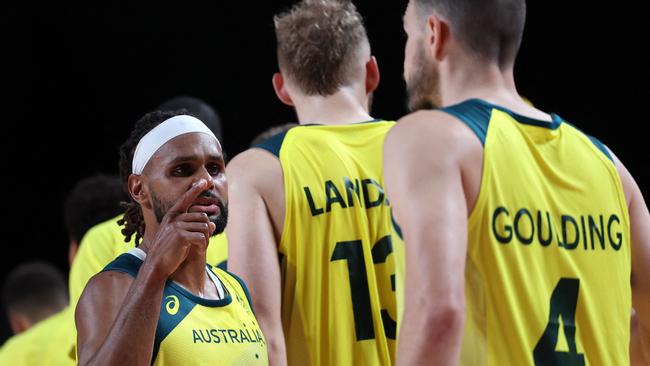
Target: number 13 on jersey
(352,252)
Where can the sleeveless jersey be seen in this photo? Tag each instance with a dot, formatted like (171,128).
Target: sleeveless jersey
(196,331)
(547,280)
(339,253)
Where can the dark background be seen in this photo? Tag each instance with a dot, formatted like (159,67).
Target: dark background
(77,76)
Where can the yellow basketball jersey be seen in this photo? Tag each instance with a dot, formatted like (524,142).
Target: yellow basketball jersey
(104,242)
(338,253)
(196,331)
(47,343)
(548,266)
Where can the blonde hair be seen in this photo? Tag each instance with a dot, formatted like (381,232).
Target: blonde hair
(318,43)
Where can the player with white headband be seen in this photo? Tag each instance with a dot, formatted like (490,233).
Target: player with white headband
(160,304)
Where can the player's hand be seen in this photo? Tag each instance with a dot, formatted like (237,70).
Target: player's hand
(179,231)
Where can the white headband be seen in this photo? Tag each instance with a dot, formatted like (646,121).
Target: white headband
(161,134)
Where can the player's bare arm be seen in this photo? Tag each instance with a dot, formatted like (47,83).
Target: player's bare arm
(257,200)
(640,231)
(425,181)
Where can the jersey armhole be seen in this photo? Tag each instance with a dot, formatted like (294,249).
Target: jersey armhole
(601,147)
(245,288)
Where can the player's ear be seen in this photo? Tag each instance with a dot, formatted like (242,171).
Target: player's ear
(372,75)
(281,89)
(19,322)
(438,35)
(73,248)
(138,191)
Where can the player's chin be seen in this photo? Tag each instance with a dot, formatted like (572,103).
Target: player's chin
(220,221)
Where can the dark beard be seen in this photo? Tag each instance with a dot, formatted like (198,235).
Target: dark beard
(422,86)
(222,220)
(160,209)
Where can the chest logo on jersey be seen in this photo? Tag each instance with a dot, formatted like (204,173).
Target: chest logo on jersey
(587,232)
(368,192)
(172,305)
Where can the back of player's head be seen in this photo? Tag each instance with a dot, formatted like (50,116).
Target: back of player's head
(93,200)
(320,45)
(270,132)
(133,220)
(490,29)
(198,108)
(34,290)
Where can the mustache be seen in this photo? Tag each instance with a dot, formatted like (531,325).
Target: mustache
(211,194)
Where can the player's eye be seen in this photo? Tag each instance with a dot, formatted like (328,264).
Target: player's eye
(182,170)
(214,169)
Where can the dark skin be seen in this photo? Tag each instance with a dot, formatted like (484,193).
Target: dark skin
(117,315)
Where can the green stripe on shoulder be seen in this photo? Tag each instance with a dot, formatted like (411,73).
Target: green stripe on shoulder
(601,147)
(273,144)
(125,263)
(474,114)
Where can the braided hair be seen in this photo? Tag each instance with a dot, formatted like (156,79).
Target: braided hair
(133,220)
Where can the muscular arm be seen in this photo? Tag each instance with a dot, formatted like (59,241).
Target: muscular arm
(256,194)
(640,230)
(424,181)
(116,319)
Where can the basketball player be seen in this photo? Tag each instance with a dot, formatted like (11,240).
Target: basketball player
(51,342)
(314,196)
(31,293)
(521,231)
(160,303)
(104,241)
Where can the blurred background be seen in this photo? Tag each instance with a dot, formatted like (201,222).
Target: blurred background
(76,77)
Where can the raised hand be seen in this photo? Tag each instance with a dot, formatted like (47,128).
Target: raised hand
(178,232)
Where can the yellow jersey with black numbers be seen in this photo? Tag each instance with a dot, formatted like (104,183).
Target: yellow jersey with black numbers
(50,342)
(548,270)
(339,252)
(104,242)
(195,331)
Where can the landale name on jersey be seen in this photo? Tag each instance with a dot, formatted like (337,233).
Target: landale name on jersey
(369,194)
(588,232)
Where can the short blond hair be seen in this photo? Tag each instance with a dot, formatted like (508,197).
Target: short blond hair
(318,43)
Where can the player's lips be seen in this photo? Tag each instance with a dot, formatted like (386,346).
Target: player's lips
(206,204)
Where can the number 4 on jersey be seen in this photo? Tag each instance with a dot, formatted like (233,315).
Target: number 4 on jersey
(563,306)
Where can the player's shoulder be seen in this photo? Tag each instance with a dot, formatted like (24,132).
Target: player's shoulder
(430,130)
(250,162)
(254,168)
(118,273)
(105,289)
(108,280)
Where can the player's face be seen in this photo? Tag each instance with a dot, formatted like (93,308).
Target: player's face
(420,70)
(181,162)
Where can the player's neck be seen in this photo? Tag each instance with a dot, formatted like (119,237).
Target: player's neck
(488,83)
(477,80)
(191,273)
(343,107)
(193,276)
